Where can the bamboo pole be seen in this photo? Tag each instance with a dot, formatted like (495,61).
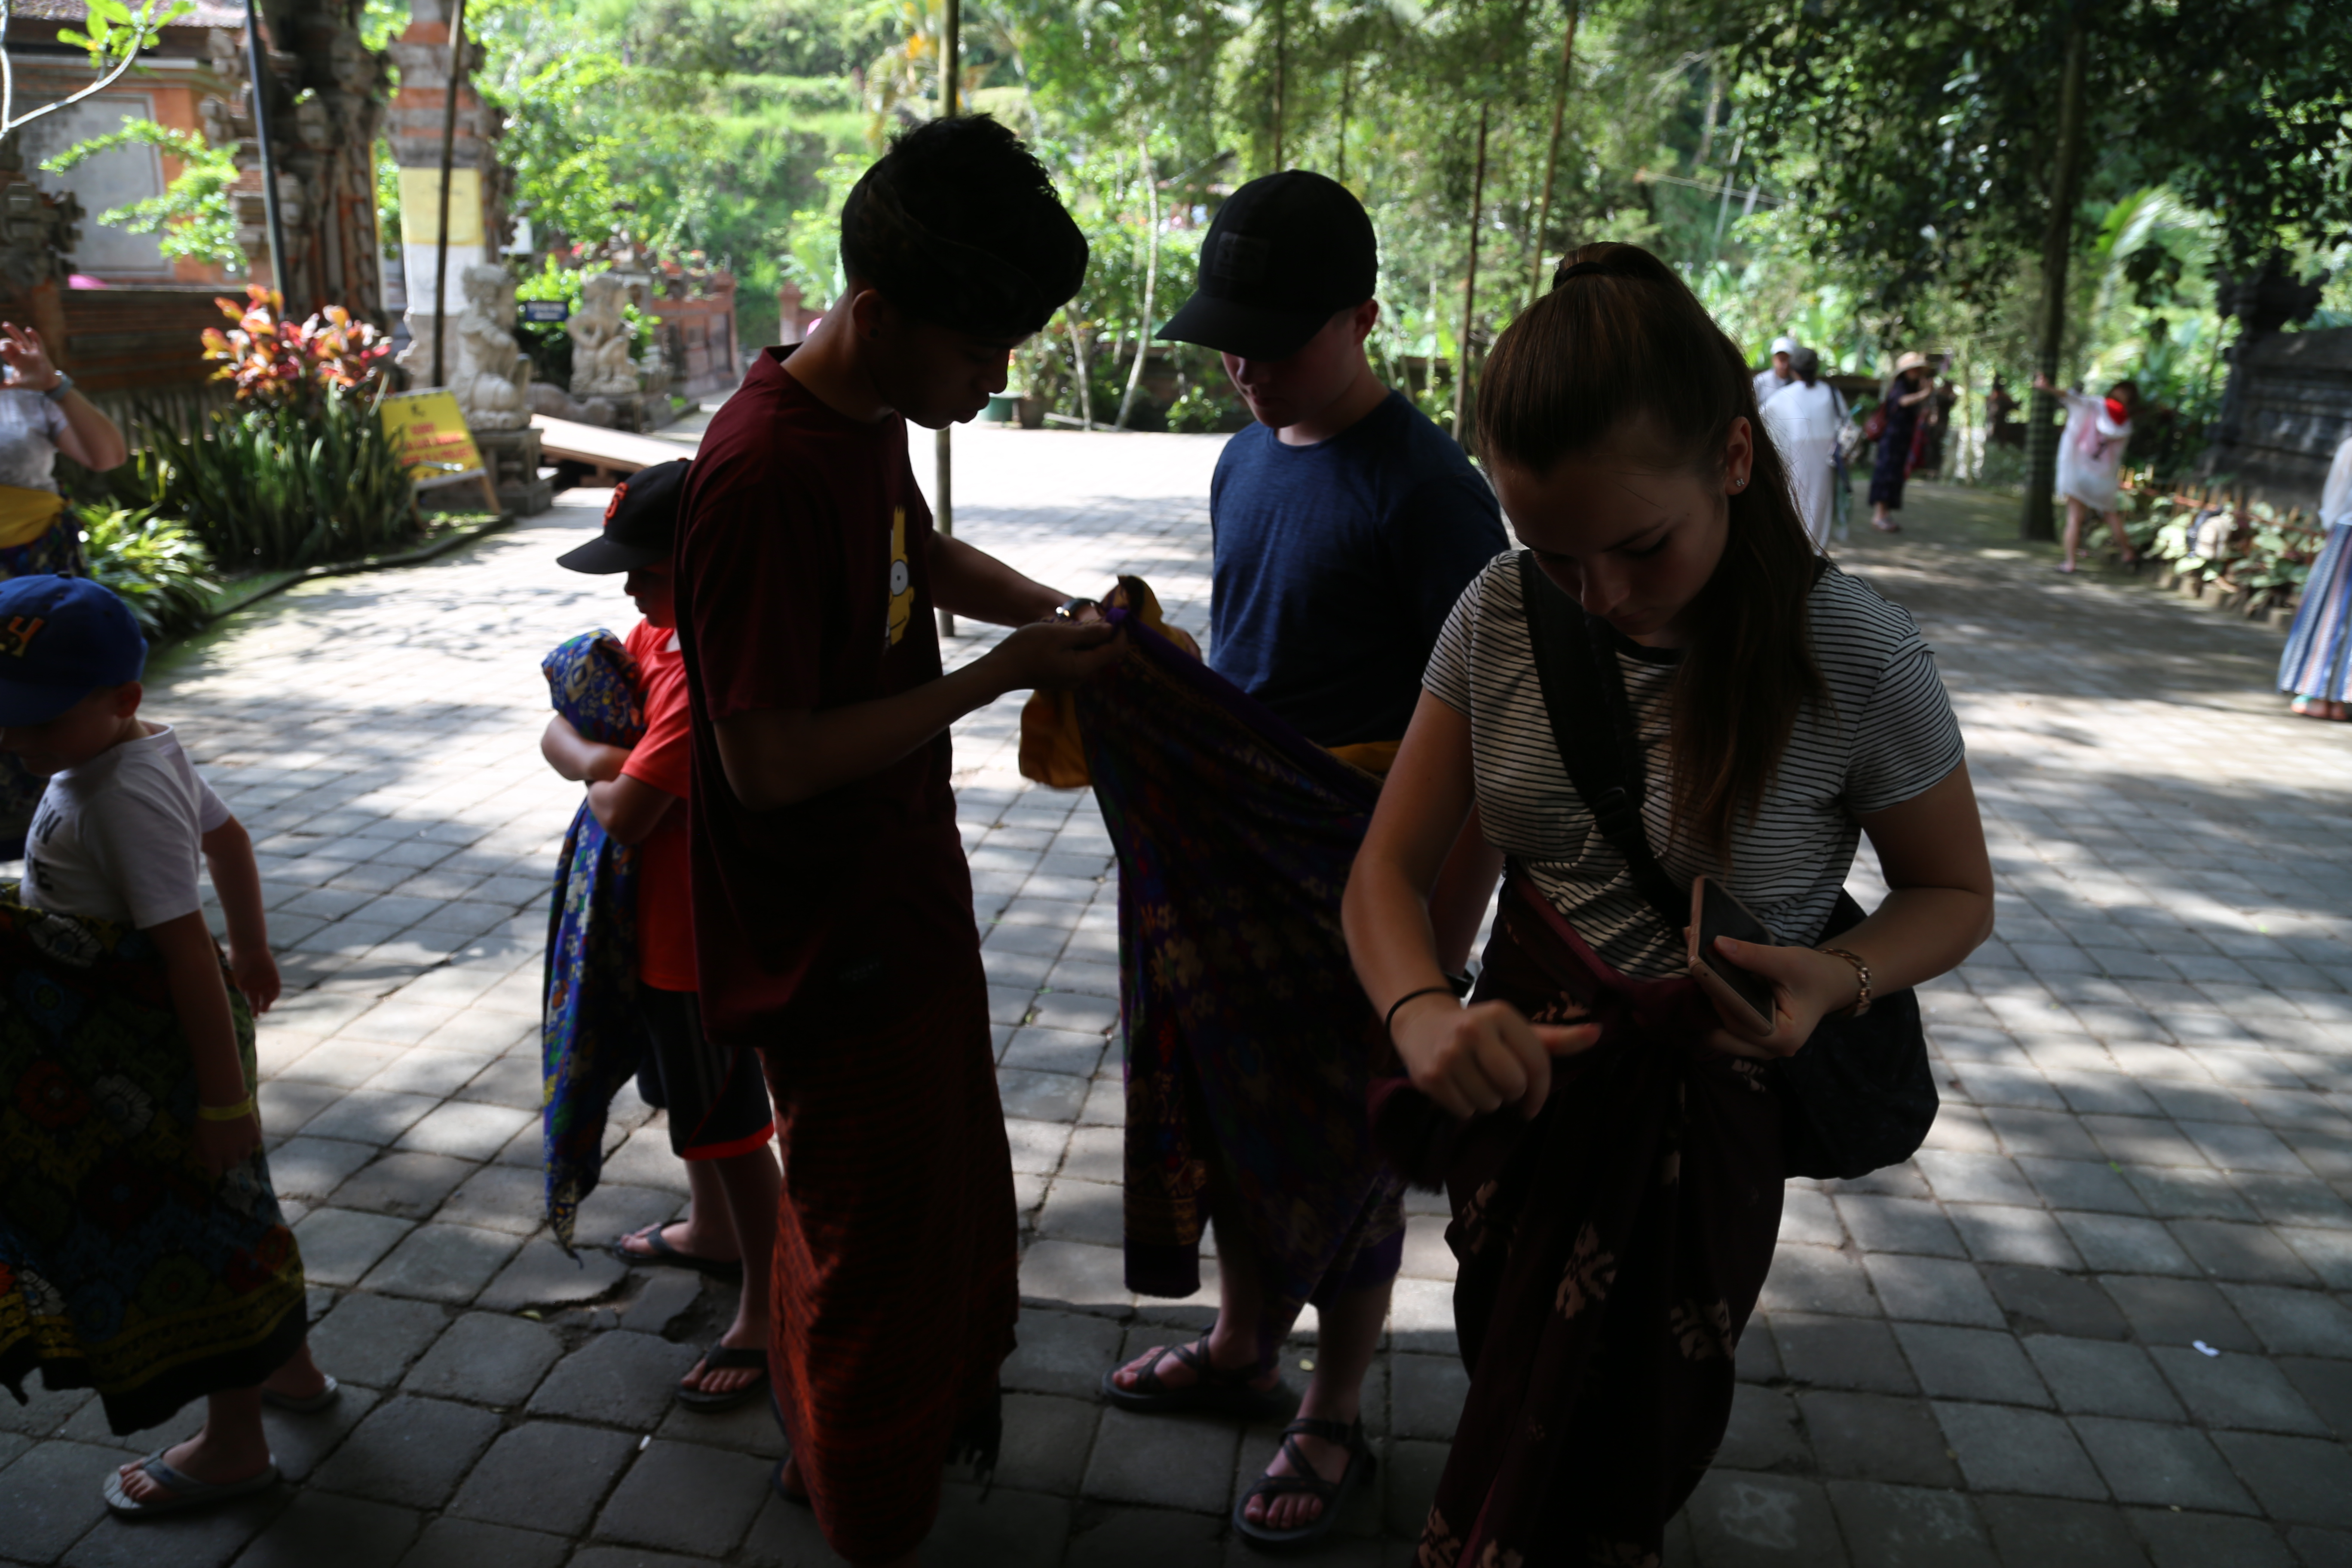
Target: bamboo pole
(943,444)
(449,156)
(1470,289)
(1281,74)
(2040,520)
(1551,158)
(256,62)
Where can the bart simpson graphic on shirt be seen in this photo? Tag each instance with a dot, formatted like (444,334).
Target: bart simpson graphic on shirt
(902,581)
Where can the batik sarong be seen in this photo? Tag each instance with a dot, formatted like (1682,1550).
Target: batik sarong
(125,1267)
(56,554)
(1250,1046)
(896,1265)
(591,1038)
(1610,1253)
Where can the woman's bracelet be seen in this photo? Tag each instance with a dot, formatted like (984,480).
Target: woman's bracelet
(1861,976)
(1388,1025)
(237,1113)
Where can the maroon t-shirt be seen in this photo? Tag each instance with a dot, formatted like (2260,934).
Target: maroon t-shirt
(802,584)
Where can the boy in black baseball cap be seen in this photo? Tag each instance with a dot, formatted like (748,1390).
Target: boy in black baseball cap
(720,1119)
(1345,525)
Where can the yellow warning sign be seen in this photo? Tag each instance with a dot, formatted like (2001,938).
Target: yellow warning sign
(429,432)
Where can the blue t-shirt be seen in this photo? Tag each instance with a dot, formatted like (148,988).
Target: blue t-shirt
(1338,564)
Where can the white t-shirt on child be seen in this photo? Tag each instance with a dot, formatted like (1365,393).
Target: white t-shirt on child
(121,837)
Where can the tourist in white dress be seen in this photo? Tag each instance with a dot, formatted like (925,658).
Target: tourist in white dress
(1803,420)
(2089,454)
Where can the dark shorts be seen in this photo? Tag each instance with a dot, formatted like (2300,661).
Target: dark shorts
(716,1096)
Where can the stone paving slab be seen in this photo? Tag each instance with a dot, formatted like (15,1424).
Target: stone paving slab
(1987,1355)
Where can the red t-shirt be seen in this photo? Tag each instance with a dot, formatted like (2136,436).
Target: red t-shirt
(802,584)
(663,758)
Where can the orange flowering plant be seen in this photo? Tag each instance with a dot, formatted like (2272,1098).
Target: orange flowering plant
(278,364)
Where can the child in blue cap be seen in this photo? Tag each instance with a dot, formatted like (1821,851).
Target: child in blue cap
(142,1252)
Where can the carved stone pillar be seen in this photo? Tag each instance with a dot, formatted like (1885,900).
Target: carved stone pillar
(326,106)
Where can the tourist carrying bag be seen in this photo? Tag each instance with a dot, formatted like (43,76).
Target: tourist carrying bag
(1860,1094)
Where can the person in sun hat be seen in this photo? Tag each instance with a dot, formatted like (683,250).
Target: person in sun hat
(1780,374)
(720,1123)
(143,1249)
(1344,523)
(1901,398)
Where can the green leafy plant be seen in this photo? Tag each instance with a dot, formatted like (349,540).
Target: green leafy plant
(269,486)
(195,212)
(158,567)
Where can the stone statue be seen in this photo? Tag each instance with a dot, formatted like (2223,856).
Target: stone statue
(601,366)
(492,372)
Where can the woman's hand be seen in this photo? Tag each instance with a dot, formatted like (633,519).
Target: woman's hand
(1807,985)
(2041,383)
(1483,1058)
(27,359)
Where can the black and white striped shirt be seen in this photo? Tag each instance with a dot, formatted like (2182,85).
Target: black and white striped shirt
(1889,736)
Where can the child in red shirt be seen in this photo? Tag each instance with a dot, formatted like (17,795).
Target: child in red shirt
(720,1120)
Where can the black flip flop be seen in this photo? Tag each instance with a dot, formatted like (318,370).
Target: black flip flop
(1213,1389)
(659,1250)
(1335,1495)
(728,1358)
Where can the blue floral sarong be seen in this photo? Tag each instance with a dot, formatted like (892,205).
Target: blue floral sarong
(591,1038)
(125,1267)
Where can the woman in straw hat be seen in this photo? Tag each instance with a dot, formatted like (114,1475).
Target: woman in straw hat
(1902,399)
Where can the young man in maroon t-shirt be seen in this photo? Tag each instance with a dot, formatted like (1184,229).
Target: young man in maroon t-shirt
(834,926)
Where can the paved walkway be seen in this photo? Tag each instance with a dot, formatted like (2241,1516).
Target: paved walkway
(1991,1354)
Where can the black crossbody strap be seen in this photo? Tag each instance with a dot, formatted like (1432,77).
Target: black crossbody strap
(1592,728)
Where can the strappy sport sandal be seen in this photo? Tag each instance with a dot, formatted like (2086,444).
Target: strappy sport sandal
(1335,1495)
(1216,1390)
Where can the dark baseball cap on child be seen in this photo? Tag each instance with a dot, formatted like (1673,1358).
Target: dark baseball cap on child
(1286,253)
(61,639)
(640,522)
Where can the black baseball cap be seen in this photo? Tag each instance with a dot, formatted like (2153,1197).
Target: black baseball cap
(640,522)
(1286,254)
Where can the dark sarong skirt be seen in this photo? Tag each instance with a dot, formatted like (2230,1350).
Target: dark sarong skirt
(896,1264)
(1610,1252)
(1250,1046)
(125,1267)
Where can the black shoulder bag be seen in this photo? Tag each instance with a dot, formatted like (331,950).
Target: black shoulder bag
(1860,1094)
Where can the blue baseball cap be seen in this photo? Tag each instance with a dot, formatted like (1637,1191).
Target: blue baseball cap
(61,639)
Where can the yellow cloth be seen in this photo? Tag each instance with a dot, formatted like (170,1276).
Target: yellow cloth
(1053,753)
(25,515)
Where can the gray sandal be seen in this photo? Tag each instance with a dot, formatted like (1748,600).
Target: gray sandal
(310,1405)
(186,1491)
(1214,1389)
(1306,1479)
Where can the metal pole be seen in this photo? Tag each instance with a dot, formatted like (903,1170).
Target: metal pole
(254,66)
(943,445)
(1551,159)
(448,157)
(1470,290)
(2040,520)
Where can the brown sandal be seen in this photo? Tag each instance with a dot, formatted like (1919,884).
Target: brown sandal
(1214,1389)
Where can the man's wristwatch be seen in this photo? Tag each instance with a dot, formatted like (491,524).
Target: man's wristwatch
(1067,610)
(57,394)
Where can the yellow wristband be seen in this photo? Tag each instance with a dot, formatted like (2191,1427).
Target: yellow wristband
(237,1113)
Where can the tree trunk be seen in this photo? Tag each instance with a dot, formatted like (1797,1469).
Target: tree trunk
(1470,290)
(1551,158)
(1086,385)
(1150,283)
(1281,73)
(2040,520)
(1347,87)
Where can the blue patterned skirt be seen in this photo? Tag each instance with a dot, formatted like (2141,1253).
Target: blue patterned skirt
(2318,658)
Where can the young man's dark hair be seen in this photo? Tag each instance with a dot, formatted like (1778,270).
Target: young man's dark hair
(958,225)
